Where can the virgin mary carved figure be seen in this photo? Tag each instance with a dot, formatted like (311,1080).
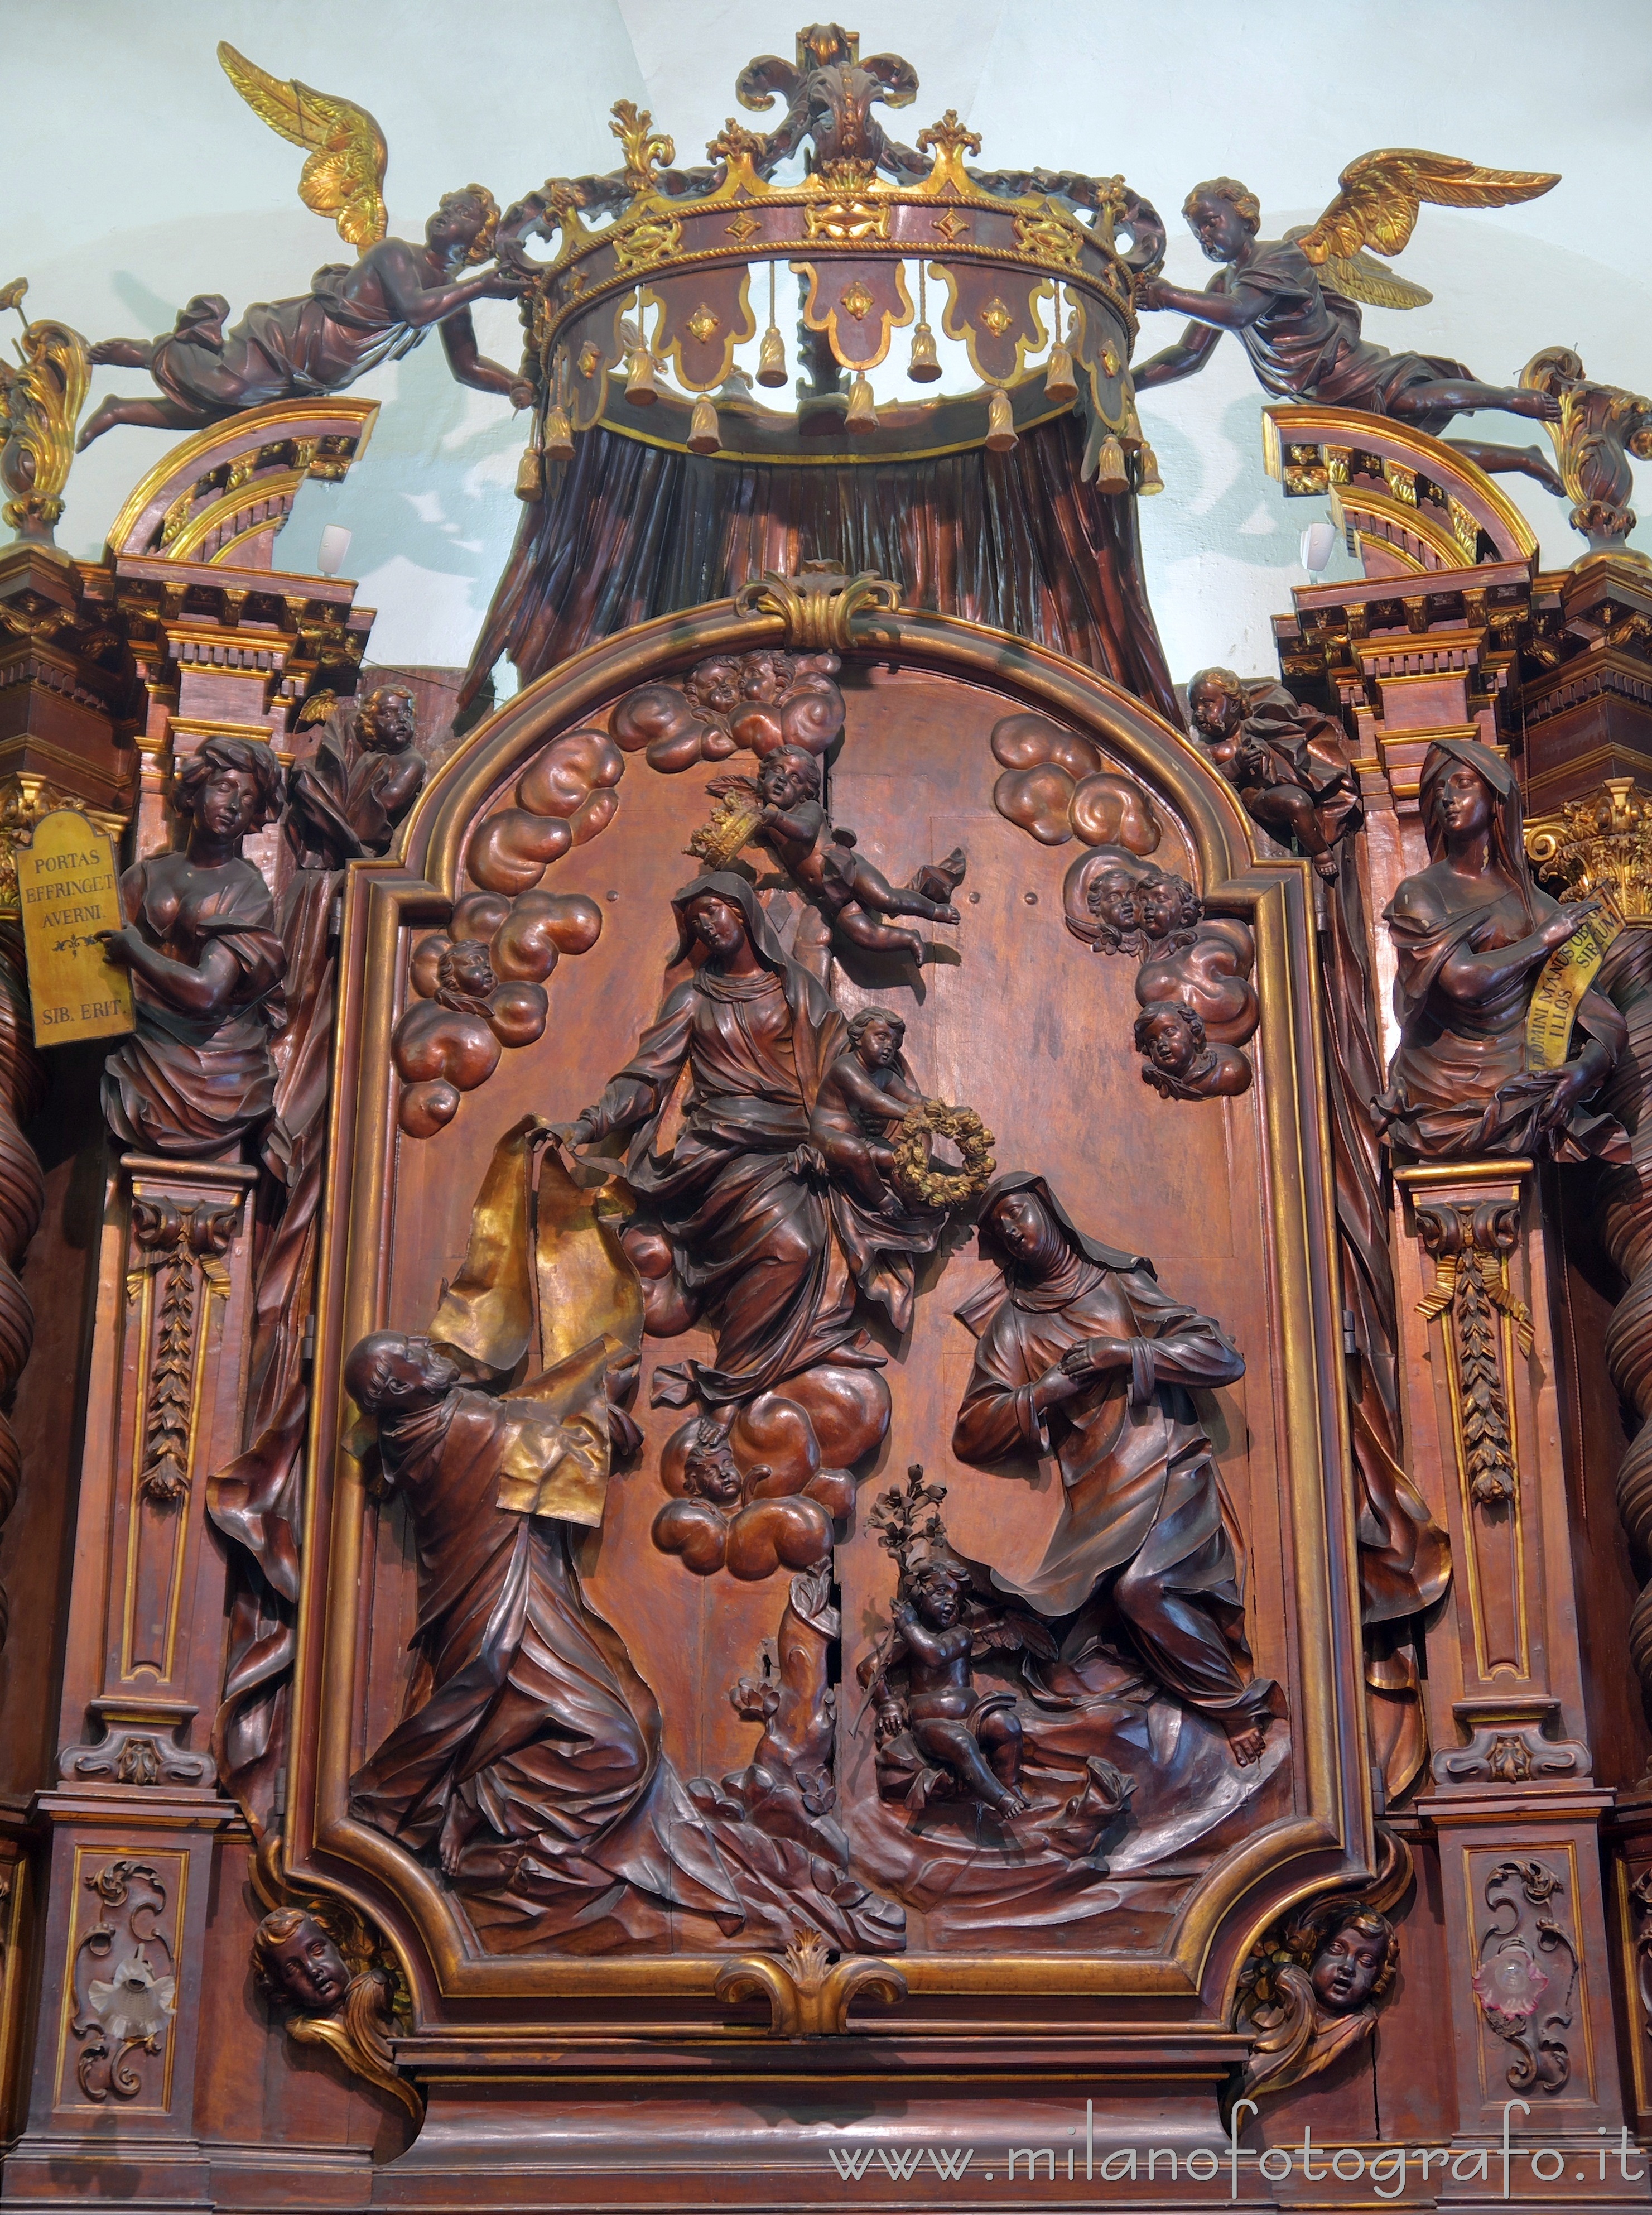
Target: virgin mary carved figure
(739,1198)
(1470,932)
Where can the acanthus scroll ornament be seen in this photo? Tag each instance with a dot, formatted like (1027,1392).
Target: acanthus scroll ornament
(809,1991)
(819,605)
(40,406)
(1599,847)
(127,2009)
(1525,2004)
(1469,1245)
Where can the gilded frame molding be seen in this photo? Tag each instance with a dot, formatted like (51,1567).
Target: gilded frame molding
(1330,1843)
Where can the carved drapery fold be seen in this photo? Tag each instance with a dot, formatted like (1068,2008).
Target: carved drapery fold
(1017,541)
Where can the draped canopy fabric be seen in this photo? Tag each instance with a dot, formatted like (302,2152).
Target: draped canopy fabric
(629,532)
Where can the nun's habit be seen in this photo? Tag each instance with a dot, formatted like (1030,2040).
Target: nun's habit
(1143,1524)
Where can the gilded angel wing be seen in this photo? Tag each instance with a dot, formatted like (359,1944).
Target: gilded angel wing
(1360,277)
(344,176)
(1382,193)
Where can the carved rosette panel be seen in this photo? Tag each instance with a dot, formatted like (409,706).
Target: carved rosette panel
(1527,1976)
(120,1988)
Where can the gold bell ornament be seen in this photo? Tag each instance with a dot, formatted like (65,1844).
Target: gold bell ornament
(704,438)
(925,366)
(1001,422)
(1148,479)
(1111,475)
(771,355)
(862,417)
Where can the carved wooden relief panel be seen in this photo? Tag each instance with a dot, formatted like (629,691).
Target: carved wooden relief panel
(812,1442)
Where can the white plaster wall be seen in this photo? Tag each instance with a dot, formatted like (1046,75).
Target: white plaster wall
(132,175)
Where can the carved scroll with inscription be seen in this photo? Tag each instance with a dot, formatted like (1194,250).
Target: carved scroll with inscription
(67,881)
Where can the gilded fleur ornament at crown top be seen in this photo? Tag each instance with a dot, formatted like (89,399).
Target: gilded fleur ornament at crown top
(1599,848)
(641,145)
(947,141)
(740,150)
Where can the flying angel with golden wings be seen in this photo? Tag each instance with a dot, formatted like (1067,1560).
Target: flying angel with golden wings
(1293,301)
(354,316)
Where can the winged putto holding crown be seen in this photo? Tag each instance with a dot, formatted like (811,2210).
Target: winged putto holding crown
(1294,302)
(355,315)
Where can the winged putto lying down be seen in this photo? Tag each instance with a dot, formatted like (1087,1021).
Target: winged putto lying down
(1293,301)
(354,316)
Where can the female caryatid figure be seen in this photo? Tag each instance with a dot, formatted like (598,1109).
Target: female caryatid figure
(206,966)
(1081,1354)
(1471,933)
(738,1196)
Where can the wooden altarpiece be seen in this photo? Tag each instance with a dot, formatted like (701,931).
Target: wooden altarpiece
(574,2062)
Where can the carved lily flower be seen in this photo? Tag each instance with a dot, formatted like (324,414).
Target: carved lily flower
(135,2003)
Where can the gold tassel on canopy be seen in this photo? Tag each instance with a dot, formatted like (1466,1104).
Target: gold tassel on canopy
(862,417)
(1001,422)
(925,366)
(704,436)
(771,355)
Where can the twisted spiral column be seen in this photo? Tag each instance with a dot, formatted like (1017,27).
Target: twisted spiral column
(1626,1197)
(22,1196)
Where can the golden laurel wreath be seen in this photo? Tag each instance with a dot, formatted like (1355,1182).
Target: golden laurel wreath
(917,1180)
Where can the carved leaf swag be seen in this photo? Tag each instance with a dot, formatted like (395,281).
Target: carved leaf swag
(1469,1245)
(809,1989)
(1526,2003)
(356,2026)
(127,2009)
(1297,2031)
(176,1241)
